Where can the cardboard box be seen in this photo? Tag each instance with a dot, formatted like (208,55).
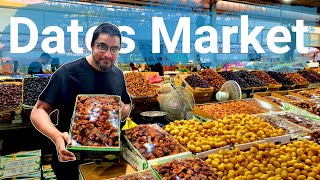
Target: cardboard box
(8,164)
(104,170)
(35,155)
(7,173)
(31,176)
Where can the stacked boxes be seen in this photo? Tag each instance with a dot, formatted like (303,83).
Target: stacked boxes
(21,165)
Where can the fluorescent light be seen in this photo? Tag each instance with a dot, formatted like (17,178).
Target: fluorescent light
(287,1)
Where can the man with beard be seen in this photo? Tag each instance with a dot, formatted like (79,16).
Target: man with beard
(93,74)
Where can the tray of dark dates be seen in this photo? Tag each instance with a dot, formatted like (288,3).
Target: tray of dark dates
(96,123)
(150,141)
(183,169)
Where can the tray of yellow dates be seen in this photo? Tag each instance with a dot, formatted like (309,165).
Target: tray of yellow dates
(235,129)
(294,160)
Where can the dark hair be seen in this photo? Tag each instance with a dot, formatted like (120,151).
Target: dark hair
(131,65)
(107,28)
(45,55)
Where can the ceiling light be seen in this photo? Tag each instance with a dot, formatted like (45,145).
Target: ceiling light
(287,1)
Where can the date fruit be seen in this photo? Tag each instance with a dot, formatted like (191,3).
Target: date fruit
(32,88)
(96,121)
(10,96)
(196,81)
(152,142)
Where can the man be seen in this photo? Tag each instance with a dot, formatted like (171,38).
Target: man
(36,66)
(93,74)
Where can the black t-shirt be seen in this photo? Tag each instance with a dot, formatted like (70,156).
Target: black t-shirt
(79,77)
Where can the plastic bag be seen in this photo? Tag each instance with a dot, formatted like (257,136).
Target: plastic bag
(155,79)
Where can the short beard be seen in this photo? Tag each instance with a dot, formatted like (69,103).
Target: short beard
(101,68)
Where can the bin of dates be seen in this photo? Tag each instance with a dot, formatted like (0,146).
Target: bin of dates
(152,142)
(32,88)
(306,122)
(310,94)
(289,127)
(312,106)
(275,100)
(183,169)
(96,123)
(10,96)
(139,86)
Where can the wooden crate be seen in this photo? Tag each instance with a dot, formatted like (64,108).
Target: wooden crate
(274,87)
(199,94)
(281,94)
(299,86)
(179,78)
(261,95)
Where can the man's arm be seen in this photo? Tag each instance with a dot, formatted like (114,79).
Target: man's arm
(41,121)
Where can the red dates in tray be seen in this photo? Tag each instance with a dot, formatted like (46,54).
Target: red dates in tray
(152,141)
(191,168)
(10,96)
(96,121)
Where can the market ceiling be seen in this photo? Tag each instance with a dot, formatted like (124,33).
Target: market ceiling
(309,3)
(206,3)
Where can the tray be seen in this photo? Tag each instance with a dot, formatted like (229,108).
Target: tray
(111,152)
(139,162)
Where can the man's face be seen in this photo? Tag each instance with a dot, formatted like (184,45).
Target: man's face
(105,51)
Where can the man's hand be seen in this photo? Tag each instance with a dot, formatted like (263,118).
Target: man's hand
(63,154)
(125,110)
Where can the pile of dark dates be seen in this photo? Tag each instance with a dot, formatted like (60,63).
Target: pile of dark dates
(152,142)
(251,79)
(281,78)
(264,77)
(311,76)
(229,75)
(10,96)
(96,121)
(32,88)
(213,78)
(296,78)
(186,169)
(196,81)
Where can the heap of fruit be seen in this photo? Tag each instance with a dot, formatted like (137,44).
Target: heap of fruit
(296,160)
(231,130)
